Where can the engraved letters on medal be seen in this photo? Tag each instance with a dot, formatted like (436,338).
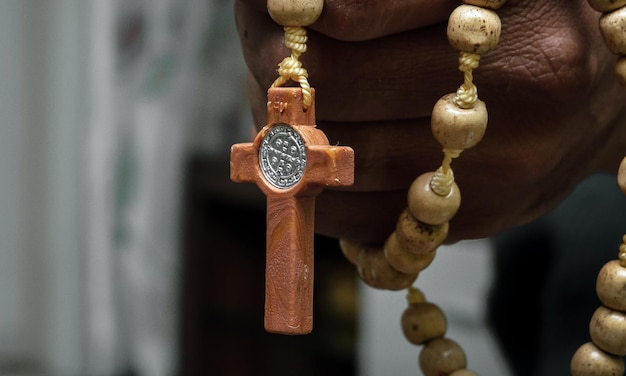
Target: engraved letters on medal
(282,156)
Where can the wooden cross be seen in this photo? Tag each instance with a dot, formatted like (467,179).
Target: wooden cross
(291,162)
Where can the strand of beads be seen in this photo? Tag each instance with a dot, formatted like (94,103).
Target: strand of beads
(458,122)
(294,15)
(607,328)
(612,25)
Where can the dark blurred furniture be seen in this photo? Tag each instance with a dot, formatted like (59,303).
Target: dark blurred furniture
(223,288)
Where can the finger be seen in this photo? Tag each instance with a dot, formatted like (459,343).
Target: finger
(349,215)
(370,80)
(370,217)
(488,206)
(401,76)
(359,20)
(384,161)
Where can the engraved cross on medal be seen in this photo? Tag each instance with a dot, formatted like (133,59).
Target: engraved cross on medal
(291,161)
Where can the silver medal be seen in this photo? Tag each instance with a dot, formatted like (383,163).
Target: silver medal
(282,156)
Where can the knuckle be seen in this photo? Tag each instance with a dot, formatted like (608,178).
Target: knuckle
(548,53)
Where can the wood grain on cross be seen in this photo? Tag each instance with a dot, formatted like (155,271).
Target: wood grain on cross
(291,161)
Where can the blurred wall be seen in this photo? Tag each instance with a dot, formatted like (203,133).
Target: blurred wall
(42,107)
(101,101)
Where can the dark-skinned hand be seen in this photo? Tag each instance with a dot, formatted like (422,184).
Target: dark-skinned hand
(556,110)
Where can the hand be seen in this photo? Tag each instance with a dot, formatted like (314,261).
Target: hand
(556,112)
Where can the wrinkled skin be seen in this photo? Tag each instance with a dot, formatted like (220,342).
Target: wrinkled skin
(556,111)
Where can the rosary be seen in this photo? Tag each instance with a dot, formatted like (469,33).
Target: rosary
(291,161)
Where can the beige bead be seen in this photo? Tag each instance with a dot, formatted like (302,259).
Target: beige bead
(403,260)
(589,360)
(606,5)
(474,29)
(611,285)
(350,249)
(376,272)
(418,237)
(455,127)
(295,12)
(607,329)
(621,173)
(423,322)
(613,29)
(441,356)
(464,372)
(493,4)
(415,296)
(428,207)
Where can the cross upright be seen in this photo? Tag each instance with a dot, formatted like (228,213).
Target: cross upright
(291,161)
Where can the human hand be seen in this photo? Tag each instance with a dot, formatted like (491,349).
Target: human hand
(556,112)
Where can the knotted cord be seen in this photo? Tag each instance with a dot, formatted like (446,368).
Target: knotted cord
(290,69)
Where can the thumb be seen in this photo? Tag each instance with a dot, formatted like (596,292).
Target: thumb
(359,20)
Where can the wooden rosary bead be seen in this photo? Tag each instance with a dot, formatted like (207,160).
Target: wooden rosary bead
(423,322)
(611,285)
(350,249)
(606,5)
(607,329)
(463,372)
(418,237)
(492,4)
(621,174)
(427,206)
(474,29)
(403,260)
(441,356)
(455,127)
(589,360)
(375,270)
(295,12)
(613,29)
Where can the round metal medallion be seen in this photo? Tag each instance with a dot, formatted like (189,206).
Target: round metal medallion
(282,156)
